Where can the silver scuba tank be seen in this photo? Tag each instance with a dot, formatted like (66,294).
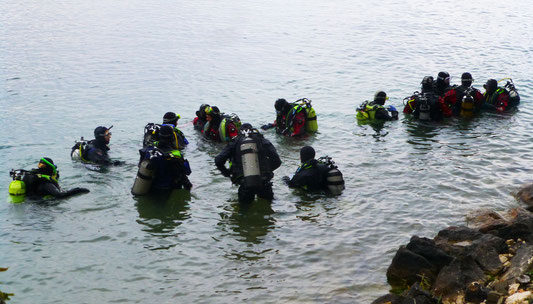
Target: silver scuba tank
(143,181)
(335,181)
(250,163)
(76,153)
(424,108)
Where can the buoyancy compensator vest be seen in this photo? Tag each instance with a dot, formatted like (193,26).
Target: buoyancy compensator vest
(223,131)
(17,187)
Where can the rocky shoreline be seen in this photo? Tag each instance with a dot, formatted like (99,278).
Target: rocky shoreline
(490,261)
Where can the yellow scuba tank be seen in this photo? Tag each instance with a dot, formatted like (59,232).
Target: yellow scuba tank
(17,188)
(311,124)
(143,181)
(467,106)
(361,112)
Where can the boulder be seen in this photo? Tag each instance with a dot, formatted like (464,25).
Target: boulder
(525,195)
(427,248)
(387,299)
(485,251)
(520,264)
(520,227)
(453,278)
(408,268)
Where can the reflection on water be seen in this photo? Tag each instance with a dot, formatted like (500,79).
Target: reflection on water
(251,222)
(377,126)
(161,213)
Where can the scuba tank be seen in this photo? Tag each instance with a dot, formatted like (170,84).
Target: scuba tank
(77,150)
(250,162)
(311,124)
(143,181)
(362,113)
(223,127)
(17,188)
(424,108)
(334,179)
(514,98)
(151,131)
(467,106)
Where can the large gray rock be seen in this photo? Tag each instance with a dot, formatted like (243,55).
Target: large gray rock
(520,227)
(485,251)
(453,278)
(427,248)
(408,268)
(525,195)
(520,264)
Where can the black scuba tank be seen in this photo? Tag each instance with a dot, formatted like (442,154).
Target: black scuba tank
(250,163)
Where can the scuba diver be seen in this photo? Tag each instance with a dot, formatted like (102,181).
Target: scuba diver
(375,109)
(500,99)
(463,100)
(425,105)
(294,119)
(442,84)
(200,120)
(39,182)
(316,175)
(252,162)
(162,167)
(151,131)
(219,126)
(95,151)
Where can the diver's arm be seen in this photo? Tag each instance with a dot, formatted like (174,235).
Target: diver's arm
(51,189)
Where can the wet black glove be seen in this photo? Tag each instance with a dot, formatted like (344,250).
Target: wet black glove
(394,115)
(267,126)
(80,190)
(118,162)
(225,172)
(286,179)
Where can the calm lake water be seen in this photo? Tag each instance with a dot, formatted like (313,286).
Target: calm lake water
(69,66)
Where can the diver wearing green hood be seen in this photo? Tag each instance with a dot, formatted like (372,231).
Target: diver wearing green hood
(40,182)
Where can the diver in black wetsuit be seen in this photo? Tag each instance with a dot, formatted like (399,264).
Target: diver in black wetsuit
(43,181)
(96,151)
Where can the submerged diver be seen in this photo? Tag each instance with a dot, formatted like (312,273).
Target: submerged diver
(162,166)
(95,151)
(220,127)
(425,105)
(463,100)
(316,175)
(201,119)
(252,162)
(294,119)
(375,109)
(40,182)
(500,99)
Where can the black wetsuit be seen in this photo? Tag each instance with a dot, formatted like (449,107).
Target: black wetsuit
(39,183)
(96,152)
(268,162)
(310,176)
(170,169)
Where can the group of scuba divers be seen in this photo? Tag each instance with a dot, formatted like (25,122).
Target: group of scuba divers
(252,158)
(162,165)
(437,100)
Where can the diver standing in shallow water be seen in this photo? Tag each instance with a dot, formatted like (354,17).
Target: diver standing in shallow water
(162,166)
(252,159)
(95,151)
(316,175)
(42,181)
